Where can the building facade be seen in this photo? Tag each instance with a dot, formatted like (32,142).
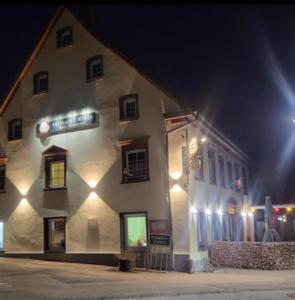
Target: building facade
(88,156)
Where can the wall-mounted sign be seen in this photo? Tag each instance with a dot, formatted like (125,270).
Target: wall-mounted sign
(160,240)
(72,123)
(159,227)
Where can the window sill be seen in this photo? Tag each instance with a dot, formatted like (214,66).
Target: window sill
(55,251)
(66,46)
(127,120)
(48,189)
(15,141)
(94,79)
(135,180)
(40,93)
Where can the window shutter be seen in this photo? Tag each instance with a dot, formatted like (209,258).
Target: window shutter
(58,39)
(35,84)
(88,62)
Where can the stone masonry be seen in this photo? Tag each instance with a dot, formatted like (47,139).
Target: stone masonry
(253,255)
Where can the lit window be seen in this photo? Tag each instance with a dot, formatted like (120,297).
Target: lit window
(14,129)
(128,107)
(135,230)
(57,174)
(94,67)
(212,167)
(41,82)
(2,178)
(64,37)
(55,168)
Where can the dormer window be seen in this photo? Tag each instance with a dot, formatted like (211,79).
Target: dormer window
(128,107)
(15,129)
(94,68)
(41,82)
(64,37)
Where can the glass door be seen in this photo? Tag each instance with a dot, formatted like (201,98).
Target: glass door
(55,236)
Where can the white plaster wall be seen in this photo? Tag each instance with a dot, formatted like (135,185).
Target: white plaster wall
(199,195)
(94,154)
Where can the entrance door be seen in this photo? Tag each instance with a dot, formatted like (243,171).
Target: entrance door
(134,230)
(55,235)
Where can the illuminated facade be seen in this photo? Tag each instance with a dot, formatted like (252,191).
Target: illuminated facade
(84,161)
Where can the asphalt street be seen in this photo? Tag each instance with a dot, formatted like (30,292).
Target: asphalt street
(32,279)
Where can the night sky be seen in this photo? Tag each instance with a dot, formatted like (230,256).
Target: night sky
(234,64)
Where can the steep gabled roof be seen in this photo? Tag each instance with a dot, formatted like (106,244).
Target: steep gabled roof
(41,43)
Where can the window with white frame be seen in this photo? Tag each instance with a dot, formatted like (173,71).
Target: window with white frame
(212,167)
(221,171)
(202,231)
(41,82)
(64,37)
(136,161)
(94,67)
(128,105)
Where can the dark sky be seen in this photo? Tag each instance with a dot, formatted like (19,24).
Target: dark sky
(235,64)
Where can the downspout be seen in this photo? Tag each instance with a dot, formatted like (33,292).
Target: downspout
(166,139)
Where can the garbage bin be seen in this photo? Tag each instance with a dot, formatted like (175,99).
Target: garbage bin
(125,265)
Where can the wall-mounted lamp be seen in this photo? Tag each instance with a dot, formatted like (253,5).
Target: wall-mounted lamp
(193,210)
(203,139)
(176,188)
(219,212)
(208,212)
(243,213)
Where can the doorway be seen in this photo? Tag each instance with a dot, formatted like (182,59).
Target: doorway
(55,234)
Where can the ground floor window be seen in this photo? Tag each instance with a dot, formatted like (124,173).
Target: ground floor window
(216,227)
(1,235)
(55,235)
(134,230)
(202,231)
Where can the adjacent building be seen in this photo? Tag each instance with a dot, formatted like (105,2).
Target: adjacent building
(97,158)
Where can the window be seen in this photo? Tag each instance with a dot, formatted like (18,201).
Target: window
(135,161)
(128,107)
(41,82)
(202,231)
(229,174)
(2,178)
(134,230)
(212,167)
(64,37)
(14,129)
(237,171)
(216,227)
(55,236)
(200,169)
(221,171)
(1,235)
(94,68)
(245,181)
(55,168)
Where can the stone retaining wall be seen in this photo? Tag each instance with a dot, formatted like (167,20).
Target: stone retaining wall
(253,255)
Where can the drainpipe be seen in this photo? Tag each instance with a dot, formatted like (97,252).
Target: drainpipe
(166,139)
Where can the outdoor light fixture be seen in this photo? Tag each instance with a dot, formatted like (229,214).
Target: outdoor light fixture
(277,209)
(203,139)
(289,209)
(176,175)
(92,183)
(176,188)
(219,212)
(193,210)
(293,120)
(243,213)
(208,212)
(92,196)
(250,214)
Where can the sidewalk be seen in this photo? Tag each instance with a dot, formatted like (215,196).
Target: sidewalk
(32,279)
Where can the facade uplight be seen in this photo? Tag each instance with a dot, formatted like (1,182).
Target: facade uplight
(203,139)
(176,175)
(208,212)
(176,188)
(219,212)
(243,213)
(250,214)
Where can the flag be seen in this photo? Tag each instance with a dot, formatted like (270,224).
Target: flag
(238,184)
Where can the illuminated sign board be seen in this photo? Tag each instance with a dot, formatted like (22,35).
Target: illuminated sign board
(72,123)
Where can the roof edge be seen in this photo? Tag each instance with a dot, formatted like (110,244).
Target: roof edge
(31,59)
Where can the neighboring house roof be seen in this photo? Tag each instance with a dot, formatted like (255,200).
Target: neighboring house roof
(41,43)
